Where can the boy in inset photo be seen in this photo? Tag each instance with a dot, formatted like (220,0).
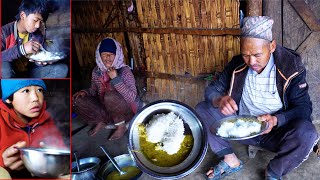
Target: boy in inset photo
(25,122)
(24,37)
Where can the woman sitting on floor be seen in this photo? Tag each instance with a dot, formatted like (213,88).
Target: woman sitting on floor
(112,97)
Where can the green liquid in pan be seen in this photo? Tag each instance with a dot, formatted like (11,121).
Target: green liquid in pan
(130,172)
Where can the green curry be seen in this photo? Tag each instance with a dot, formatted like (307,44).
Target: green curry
(130,172)
(160,157)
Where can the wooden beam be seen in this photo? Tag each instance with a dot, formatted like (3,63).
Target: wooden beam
(273,10)
(181,78)
(306,14)
(189,31)
(309,43)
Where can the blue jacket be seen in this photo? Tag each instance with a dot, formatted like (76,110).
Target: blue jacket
(290,79)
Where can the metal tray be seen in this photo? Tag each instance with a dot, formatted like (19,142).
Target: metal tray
(192,123)
(214,128)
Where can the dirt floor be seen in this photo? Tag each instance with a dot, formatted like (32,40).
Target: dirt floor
(253,168)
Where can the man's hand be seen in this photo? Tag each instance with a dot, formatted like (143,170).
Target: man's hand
(112,72)
(272,120)
(31,47)
(11,156)
(226,105)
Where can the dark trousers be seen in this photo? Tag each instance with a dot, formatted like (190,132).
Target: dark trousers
(292,142)
(55,70)
(113,109)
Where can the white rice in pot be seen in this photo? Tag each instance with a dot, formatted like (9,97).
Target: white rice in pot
(167,131)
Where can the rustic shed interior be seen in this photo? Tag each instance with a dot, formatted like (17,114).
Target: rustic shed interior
(171,45)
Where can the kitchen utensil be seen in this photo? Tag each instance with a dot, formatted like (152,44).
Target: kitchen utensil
(46,163)
(123,160)
(88,167)
(112,161)
(192,125)
(214,128)
(77,162)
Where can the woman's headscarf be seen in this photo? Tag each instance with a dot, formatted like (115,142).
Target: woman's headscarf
(118,60)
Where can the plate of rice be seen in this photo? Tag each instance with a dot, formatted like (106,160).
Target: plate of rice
(239,127)
(47,56)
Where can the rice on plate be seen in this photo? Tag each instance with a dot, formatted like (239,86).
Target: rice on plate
(47,56)
(239,128)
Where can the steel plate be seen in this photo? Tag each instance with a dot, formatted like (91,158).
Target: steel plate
(214,128)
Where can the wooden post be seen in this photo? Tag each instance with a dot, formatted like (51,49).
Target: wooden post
(254,7)
(273,9)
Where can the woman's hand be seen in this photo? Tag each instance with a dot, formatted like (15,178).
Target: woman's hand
(112,72)
(272,120)
(226,105)
(79,94)
(11,156)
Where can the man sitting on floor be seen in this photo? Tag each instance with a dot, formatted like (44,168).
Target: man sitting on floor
(268,81)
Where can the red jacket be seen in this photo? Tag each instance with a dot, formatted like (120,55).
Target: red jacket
(40,129)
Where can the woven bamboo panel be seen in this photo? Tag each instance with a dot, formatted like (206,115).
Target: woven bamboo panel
(188,54)
(188,13)
(86,45)
(136,49)
(189,93)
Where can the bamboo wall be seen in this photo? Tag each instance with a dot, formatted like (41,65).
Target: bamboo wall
(89,17)
(188,13)
(86,45)
(174,43)
(183,54)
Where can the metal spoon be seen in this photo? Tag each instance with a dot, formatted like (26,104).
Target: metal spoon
(77,162)
(42,49)
(113,161)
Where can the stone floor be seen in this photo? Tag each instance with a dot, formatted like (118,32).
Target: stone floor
(253,168)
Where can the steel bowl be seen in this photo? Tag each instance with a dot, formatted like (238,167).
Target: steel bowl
(214,127)
(46,163)
(123,160)
(192,126)
(88,169)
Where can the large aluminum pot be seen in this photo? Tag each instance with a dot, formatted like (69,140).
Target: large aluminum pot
(88,169)
(46,163)
(192,125)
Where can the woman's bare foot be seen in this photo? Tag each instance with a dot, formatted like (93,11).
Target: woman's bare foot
(96,129)
(119,132)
